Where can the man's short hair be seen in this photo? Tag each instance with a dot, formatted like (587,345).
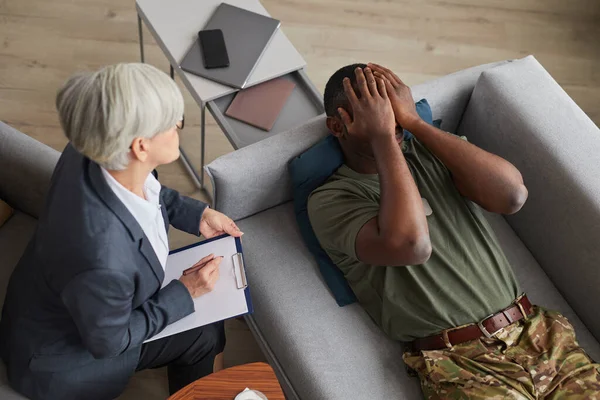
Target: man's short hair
(102,112)
(334,96)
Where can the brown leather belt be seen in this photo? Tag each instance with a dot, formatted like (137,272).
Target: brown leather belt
(488,327)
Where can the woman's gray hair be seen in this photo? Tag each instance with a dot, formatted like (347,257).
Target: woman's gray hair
(102,112)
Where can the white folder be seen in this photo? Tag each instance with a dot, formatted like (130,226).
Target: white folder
(231,295)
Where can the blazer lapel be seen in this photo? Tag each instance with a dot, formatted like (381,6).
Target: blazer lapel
(118,208)
(150,256)
(165,216)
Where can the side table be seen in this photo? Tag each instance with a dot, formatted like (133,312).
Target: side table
(226,384)
(175,25)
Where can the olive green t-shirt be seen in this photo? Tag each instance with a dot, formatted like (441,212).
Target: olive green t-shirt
(466,278)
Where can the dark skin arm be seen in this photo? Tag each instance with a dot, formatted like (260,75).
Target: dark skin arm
(485,178)
(482,177)
(399,234)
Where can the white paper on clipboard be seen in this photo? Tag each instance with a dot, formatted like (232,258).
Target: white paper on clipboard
(225,301)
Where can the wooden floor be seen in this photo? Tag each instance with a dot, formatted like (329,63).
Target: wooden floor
(42,42)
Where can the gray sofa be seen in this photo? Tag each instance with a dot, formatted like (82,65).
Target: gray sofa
(321,351)
(26,166)
(512,108)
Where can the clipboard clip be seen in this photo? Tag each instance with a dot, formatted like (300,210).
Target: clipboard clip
(239,271)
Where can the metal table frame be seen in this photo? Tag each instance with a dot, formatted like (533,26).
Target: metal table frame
(198,178)
(310,91)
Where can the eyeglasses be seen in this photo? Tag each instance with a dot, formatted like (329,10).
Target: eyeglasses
(181,123)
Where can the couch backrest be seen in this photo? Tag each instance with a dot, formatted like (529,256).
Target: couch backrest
(255,178)
(520,113)
(26,167)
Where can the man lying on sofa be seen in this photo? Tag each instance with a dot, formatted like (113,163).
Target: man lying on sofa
(399,219)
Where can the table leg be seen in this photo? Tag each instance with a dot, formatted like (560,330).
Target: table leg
(202,142)
(188,165)
(199,178)
(141,37)
(186,161)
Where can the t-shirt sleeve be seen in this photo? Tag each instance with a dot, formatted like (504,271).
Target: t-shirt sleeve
(337,215)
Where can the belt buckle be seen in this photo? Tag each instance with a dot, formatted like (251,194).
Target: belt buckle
(484,330)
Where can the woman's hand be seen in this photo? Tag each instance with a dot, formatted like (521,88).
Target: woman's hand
(202,281)
(214,223)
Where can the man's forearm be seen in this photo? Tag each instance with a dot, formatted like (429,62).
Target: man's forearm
(483,177)
(401,212)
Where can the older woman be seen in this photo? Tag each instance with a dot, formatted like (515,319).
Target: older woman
(87,292)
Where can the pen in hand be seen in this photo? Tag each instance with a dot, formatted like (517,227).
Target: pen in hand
(199,265)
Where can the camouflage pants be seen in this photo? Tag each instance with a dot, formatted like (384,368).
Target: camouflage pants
(534,359)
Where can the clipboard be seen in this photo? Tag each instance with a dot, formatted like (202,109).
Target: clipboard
(231,296)
(239,260)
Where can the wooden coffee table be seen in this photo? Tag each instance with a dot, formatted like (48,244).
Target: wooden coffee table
(226,384)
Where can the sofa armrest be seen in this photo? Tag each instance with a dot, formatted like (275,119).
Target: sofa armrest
(26,167)
(256,178)
(520,113)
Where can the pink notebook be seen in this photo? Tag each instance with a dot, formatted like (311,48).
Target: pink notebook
(260,105)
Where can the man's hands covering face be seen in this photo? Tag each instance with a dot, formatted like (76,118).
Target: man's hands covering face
(400,96)
(373,115)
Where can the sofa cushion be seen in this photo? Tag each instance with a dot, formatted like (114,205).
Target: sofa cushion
(310,170)
(26,166)
(14,237)
(6,212)
(255,178)
(520,113)
(328,352)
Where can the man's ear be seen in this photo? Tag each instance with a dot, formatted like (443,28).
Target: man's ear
(336,126)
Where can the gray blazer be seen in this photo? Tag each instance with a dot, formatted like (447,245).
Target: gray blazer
(86,292)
